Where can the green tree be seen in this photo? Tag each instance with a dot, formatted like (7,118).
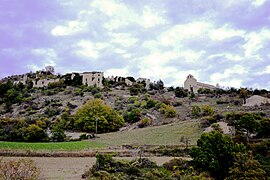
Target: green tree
(247,125)
(264,128)
(180,92)
(215,153)
(243,94)
(96,112)
(34,133)
(246,167)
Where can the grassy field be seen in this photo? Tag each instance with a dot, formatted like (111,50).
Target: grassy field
(59,146)
(158,135)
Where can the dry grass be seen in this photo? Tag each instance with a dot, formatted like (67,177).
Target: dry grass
(158,135)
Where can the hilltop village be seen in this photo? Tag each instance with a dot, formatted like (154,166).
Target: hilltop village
(43,78)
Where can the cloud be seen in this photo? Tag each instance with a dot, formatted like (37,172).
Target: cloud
(89,49)
(121,15)
(123,39)
(255,41)
(72,27)
(123,72)
(257,3)
(47,55)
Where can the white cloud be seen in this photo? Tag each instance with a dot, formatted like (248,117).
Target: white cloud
(72,27)
(232,77)
(255,41)
(224,33)
(123,39)
(117,72)
(177,33)
(89,49)
(257,3)
(228,56)
(121,15)
(150,18)
(48,55)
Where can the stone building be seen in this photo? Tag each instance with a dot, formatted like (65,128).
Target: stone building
(192,84)
(147,82)
(44,82)
(23,80)
(92,78)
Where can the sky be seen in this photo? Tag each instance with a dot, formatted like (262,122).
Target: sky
(217,41)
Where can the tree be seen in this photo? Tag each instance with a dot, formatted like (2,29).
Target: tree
(243,94)
(135,89)
(160,85)
(34,133)
(49,69)
(264,128)
(215,153)
(246,167)
(96,112)
(180,92)
(247,125)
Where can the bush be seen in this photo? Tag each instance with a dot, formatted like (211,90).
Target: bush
(151,103)
(207,110)
(98,95)
(22,169)
(132,99)
(177,103)
(133,116)
(145,122)
(196,111)
(168,110)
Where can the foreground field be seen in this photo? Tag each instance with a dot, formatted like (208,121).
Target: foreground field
(70,168)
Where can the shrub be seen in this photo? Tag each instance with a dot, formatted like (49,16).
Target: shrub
(134,115)
(52,111)
(95,90)
(151,103)
(196,111)
(168,110)
(207,110)
(177,103)
(22,169)
(145,122)
(132,99)
(98,95)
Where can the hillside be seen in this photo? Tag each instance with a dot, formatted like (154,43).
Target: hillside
(54,107)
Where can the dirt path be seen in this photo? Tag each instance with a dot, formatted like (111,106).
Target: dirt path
(71,168)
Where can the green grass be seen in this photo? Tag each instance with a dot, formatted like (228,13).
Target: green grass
(158,135)
(58,146)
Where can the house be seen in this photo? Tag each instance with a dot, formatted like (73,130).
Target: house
(44,82)
(23,80)
(92,79)
(191,84)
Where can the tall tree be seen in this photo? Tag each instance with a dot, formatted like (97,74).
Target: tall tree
(215,153)
(246,168)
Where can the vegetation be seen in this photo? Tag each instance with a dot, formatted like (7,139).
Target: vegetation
(108,168)
(22,169)
(95,113)
(215,154)
(55,146)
